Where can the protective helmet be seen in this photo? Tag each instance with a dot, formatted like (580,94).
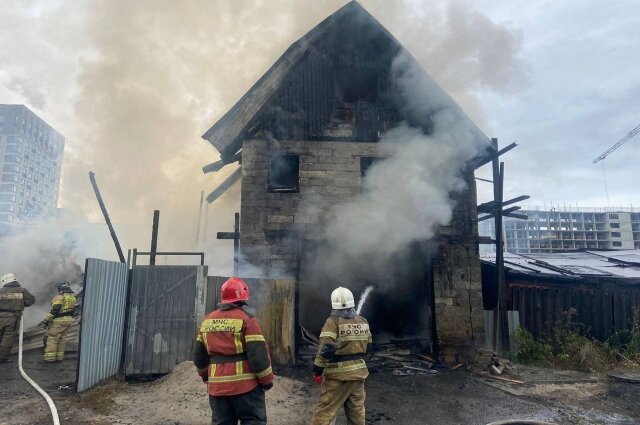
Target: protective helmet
(234,290)
(8,278)
(342,298)
(64,287)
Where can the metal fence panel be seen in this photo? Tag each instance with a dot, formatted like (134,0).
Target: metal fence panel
(102,326)
(166,306)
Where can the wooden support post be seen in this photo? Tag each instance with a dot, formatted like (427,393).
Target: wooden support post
(206,224)
(235,235)
(154,237)
(199,219)
(92,177)
(236,243)
(503,294)
(497,205)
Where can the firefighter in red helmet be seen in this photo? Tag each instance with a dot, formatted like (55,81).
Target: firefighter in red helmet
(232,356)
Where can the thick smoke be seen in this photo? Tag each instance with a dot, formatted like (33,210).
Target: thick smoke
(40,258)
(406,195)
(133,85)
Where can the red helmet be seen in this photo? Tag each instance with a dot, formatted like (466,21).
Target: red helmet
(234,290)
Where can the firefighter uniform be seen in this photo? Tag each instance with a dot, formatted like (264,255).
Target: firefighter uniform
(13,300)
(340,362)
(58,321)
(231,354)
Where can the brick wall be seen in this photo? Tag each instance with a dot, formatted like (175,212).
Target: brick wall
(272,225)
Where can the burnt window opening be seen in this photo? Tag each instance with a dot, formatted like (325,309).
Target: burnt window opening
(284,174)
(357,84)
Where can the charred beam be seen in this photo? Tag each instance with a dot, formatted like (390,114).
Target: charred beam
(510,210)
(213,167)
(493,155)
(154,237)
(225,185)
(518,216)
(486,217)
(227,235)
(92,177)
(517,199)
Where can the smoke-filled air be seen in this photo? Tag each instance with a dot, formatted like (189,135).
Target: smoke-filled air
(133,86)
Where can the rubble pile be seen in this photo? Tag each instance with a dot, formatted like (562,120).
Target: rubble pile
(488,364)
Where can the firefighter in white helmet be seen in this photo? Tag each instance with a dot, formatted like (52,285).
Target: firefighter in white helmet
(13,299)
(339,365)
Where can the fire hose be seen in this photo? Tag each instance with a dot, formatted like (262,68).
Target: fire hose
(52,406)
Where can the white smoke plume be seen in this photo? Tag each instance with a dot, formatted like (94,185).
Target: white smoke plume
(40,258)
(133,85)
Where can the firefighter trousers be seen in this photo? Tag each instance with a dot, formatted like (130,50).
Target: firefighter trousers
(57,339)
(9,328)
(335,394)
(248,408)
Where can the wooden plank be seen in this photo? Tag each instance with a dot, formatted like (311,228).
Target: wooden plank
(538,314)
(276,316)
(607,314)
(227,235)
(596,314)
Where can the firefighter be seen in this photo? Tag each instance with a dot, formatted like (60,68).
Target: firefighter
(339,366)
(232,355)
(13,300)
(58,322)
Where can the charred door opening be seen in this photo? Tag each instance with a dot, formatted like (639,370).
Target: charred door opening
(399,307)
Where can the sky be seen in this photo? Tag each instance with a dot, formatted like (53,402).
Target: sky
(133,85)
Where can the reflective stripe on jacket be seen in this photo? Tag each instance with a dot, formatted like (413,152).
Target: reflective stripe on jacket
(233,334)
(343,337)
(62,307)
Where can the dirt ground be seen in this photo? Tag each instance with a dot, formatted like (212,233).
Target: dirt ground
(440,398)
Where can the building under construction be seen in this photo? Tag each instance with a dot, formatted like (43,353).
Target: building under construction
(309,129)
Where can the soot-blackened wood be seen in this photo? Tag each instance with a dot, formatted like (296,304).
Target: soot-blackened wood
(103,208)
(236,243)
(154,237)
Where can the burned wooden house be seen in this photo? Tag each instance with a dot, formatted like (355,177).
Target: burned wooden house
(310,127)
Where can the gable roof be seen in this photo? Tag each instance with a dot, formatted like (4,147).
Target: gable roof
(227,133)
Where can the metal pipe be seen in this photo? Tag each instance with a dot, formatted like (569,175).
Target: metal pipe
(92,177)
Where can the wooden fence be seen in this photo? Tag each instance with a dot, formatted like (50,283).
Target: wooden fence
(601,308)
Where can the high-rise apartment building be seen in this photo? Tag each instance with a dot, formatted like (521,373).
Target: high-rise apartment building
(561,231)
(30,159)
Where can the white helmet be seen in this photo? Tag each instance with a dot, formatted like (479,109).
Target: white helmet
(342,298)
(8,278)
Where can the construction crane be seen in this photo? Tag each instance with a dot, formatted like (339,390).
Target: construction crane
(622,141)
(604,154)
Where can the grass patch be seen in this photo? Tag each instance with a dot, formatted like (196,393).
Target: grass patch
(570,348)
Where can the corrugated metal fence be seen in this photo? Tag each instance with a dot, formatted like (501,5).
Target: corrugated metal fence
(103,318)
(601,309)
(167,304)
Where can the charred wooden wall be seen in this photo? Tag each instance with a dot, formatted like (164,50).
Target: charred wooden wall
(601,310)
